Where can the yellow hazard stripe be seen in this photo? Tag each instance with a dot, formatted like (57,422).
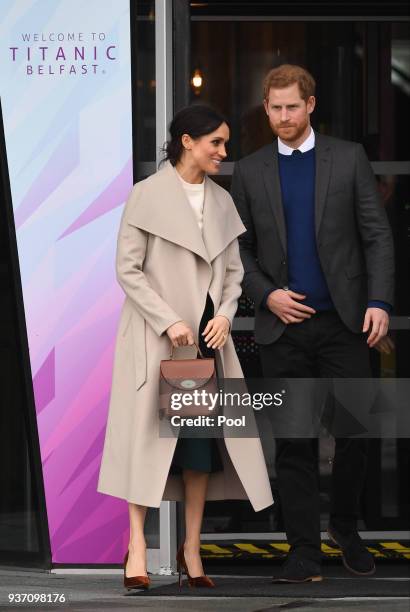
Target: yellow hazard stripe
(379,549)
(251,548)
(403,551)
(395,546)
(215,549)
(280,546)
(329,550)
(377,553)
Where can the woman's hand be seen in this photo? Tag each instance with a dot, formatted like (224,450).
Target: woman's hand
(180,334)
(216,332)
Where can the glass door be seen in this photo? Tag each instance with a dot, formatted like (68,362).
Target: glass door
(362,68)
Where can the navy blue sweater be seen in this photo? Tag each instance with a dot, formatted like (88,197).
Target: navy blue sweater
(305,274)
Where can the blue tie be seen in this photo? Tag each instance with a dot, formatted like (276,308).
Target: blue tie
(296,152)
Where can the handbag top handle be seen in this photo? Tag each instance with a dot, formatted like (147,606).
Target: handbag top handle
(195,344)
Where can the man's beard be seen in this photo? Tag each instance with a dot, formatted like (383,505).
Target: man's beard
(295,134)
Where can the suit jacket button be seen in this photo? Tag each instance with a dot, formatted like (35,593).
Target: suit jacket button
(285,288)
(284,262)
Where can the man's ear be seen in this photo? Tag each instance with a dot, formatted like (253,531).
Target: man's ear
(310,104)
(265,106)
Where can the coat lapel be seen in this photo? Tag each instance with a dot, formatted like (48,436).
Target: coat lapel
(272,184)
(222,223)
(323,168)
(163,209)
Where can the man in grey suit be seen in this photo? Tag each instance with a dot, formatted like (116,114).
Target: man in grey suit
(319,266)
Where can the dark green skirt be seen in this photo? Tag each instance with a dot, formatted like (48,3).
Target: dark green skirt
(200,454)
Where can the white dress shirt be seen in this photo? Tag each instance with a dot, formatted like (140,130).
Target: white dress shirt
(306,145)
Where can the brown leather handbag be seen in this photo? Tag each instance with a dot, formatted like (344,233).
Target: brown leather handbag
(185,385)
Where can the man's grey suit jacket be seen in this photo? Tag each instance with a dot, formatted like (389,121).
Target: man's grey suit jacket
(353,235)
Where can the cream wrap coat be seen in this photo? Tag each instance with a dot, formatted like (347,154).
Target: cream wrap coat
(166,268)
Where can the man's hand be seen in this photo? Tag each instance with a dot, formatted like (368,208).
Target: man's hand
(378,320)
(284,305)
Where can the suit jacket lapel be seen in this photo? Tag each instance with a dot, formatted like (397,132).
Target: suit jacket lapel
(272,184)
(323,169)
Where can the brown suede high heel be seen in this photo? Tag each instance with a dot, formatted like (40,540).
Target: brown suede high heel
(199,581)
(135,582)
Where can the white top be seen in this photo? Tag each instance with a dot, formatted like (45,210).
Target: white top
(306,145)
(196,194)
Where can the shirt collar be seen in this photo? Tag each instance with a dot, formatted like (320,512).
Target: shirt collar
(306,145)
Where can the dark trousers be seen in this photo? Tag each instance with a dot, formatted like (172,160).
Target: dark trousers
(319,347)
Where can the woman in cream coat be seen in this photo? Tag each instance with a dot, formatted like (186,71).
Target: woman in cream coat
(174,255)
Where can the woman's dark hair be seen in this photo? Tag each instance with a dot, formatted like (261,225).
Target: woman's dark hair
(196,120)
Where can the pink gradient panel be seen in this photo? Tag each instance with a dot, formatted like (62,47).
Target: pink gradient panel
(69,144)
